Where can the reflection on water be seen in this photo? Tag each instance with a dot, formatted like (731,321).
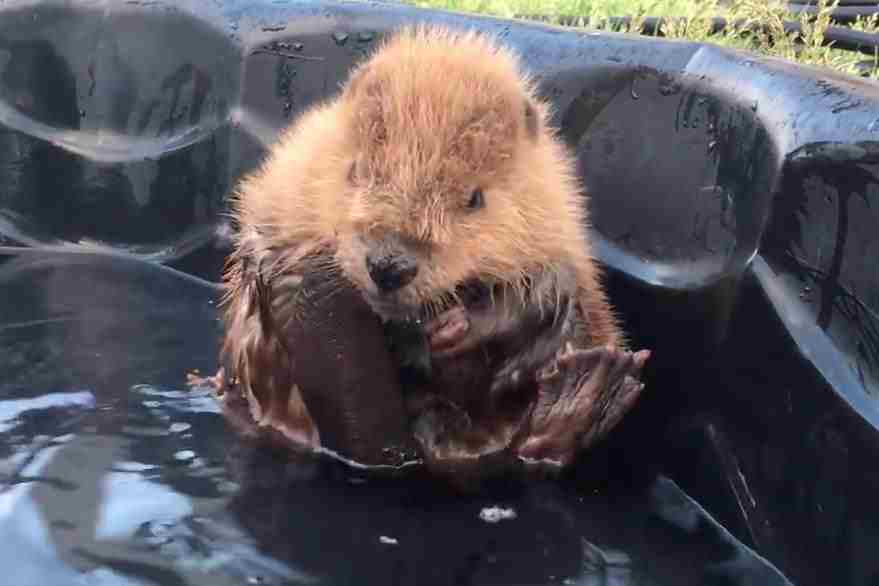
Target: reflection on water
(114,473)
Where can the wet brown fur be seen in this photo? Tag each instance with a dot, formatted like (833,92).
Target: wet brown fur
(431,116)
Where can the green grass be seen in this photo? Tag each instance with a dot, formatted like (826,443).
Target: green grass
(804,47)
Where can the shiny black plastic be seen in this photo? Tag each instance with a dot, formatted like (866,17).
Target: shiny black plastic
(735,201)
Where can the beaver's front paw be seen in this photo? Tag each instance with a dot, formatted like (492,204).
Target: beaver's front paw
(582,395)
(462,330)
(447,334)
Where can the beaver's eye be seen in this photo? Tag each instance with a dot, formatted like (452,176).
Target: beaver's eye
(477,199)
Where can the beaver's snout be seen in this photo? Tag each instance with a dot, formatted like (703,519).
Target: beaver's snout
(391,270)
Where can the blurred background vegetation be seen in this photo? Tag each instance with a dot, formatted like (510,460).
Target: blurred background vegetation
(753,25)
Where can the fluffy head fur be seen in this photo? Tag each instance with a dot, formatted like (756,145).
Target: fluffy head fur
(431,117)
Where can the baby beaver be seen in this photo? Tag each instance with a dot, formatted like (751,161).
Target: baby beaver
(433,187)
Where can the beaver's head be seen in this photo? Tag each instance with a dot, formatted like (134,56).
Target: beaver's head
(452,175)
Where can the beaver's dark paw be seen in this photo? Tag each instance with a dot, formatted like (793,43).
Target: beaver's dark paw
(520,369)
(582,395)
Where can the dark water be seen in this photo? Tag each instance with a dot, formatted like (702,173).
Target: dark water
(113,472)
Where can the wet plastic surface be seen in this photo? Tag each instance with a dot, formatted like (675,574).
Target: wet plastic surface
(735,200)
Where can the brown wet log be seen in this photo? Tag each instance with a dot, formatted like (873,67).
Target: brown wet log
(312,335)
(346,375)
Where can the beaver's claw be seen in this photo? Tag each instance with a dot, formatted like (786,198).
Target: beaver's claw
(582,395)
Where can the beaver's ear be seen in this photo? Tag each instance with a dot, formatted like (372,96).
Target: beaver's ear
(532,119)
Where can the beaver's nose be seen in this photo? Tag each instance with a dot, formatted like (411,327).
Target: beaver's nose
(391,272)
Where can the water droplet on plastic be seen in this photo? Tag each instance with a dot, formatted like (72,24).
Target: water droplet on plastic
(365,37)
(496,514)
(635,95)
(184,456)
(874,125)
(340,38)
(712,146)
(668,86)
(754,106)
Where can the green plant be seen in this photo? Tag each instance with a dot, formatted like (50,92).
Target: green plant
(754,25)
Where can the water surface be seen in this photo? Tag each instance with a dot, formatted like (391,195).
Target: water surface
(113,472)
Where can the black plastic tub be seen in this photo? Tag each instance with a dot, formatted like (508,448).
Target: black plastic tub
(737,208)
